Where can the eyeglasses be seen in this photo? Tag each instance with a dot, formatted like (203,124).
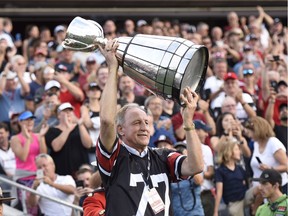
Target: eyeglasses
(247,72)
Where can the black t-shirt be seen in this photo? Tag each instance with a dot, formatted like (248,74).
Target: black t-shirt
(140,100)
(281,134)
(72,155)
(125,185)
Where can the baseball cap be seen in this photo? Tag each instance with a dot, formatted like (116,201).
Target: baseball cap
(11,75)
(282,82)
(230,75)
(90,59)
(180,144)
(64,106)
(59,28)
(252,37)
(277,20)
(199,124)
(269,175)
(141,23)
(25,115)
(163,138)
(247,47)
(61,67)
(52,84)
(94,85)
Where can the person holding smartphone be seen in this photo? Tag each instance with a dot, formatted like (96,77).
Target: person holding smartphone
(51,184)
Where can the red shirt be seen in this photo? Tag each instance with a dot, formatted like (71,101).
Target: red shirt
(68,97)
(95,204)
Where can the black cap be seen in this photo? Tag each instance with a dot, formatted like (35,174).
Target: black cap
(252,37)
(277,20)
(282,82)
(93,85)
(163,138)
(61,67)
(269,175)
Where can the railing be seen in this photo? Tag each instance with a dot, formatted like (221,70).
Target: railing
(22,187)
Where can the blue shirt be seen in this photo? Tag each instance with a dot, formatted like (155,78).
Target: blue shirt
(11,102)
(234,183)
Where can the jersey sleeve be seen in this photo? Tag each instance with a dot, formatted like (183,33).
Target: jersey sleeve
(105,159)
(174,162)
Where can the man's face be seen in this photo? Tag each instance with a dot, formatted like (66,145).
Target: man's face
(231,87)
(3,135)
(126,84)
(220,69)
(85,177)
(156,106)
(135,130)
(102,75)
(266,189)
(46,165)
(202,135)
(11,84)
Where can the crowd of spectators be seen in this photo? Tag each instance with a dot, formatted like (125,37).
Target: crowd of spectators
(49,101)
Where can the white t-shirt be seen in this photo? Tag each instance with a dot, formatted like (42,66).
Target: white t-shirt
(240,111)
(267,157)
(7,161)
(213,84)
(50,208)
(208,161)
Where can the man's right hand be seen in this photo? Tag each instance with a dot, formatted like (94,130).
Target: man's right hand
(109,52)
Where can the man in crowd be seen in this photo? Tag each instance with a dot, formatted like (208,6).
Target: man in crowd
(53,185)
(270,183)
(134,175)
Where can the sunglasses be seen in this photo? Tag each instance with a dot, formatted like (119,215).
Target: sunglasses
(248,72)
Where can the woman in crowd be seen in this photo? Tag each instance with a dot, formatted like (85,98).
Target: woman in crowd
(231,184)
(269,153)
(26,146)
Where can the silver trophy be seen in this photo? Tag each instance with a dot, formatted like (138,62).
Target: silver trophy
(164,65)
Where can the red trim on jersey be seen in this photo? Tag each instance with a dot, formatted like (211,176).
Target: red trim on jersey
(104,158)
(174,162)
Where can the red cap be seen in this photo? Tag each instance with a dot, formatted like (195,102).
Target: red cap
(230,75)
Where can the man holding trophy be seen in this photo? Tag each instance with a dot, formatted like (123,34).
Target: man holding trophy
(136,177)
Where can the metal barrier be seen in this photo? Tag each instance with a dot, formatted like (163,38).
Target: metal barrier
(22,187)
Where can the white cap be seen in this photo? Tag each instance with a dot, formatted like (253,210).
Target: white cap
(59,28)
(141,23)
(50,84)
(11,75)
(64,106)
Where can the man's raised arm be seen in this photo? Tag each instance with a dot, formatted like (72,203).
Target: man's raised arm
(108,103)
(193,164)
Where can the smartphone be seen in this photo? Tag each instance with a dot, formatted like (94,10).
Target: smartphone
(80,183)
(276,57)
(39,174)
(274,85)
(258,159)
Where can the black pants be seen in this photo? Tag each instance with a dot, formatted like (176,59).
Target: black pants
(208,202)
